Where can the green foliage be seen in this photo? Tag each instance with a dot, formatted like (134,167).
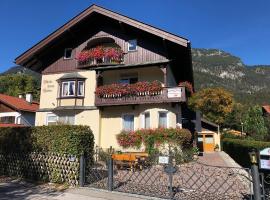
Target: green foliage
(254,124)
(214,103)
(63,139)
(153,137)
(234,119)
(56,176)
(238,149)
(15,84)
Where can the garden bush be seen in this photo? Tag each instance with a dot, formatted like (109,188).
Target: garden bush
(238,149)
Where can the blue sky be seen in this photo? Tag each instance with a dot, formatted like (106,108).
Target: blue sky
(241,27)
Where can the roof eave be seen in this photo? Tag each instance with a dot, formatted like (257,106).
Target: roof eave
(20,60)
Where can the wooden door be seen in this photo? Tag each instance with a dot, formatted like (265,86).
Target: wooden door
(208,143)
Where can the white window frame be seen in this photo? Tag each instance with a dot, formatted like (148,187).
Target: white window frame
(51,115)
(167,118)
(66,118)
(143,120)
(62,89)
(130,45)
(122,121)
(78,89)
(65,52)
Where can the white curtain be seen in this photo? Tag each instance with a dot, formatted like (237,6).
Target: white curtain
(162,120)
(80,88)
(65,89)
(71,88)
(147,120)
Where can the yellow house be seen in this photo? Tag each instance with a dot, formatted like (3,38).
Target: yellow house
(112,73)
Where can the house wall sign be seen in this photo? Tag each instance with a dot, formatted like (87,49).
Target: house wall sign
(174,92)
(265,159)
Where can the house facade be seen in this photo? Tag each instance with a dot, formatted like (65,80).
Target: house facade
(17,111)
(112,73)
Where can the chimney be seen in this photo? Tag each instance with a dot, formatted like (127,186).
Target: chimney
(29,97)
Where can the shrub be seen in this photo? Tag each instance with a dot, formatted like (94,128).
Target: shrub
(238,149)
(63,139)
(153,137)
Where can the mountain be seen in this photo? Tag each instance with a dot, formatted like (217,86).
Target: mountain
(21,70)
(217,68)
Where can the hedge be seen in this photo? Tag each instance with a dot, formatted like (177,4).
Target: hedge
(63,139)
(238,149)
(42,153)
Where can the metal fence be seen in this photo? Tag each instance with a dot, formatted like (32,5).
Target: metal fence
(160,175)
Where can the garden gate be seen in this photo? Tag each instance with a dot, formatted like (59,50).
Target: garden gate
(165,176)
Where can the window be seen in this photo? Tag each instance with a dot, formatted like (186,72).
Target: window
(51,119)
(132,45)
(68,53)
(7,120)
(68,119)
(68,88)
(129,78)
(147,120)
(162,120)
(80,91)
(128,122)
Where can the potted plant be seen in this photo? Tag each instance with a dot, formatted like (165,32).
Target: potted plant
(216,147)
(196,152)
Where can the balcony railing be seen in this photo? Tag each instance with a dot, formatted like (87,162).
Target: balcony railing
(166,95)
(100,55)
(99,62)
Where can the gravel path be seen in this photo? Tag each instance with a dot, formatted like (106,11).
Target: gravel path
(213,176)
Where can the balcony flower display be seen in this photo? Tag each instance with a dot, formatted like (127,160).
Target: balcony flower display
(124,90)
(100,54)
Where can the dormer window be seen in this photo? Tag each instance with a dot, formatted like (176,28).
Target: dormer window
(68,53)
(132,45)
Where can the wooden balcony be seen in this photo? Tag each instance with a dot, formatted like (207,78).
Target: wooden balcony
(98,62)
(167,95)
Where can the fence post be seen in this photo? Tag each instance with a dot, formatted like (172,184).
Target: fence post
(255,175)
(110,174)
(82,171)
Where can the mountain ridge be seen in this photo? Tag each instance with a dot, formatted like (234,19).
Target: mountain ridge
(217,68)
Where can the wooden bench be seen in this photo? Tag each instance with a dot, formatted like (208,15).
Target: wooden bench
(130,160)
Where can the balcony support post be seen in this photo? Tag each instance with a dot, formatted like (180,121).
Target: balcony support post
(99,78)
(164,70)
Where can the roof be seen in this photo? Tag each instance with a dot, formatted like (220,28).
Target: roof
(267,108)
(208,122)
(105,12)
(11,125)
(74,75)
(19,104)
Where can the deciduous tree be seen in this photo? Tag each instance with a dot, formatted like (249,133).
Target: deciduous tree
(214,103)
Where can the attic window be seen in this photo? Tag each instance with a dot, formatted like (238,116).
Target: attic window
(132,45)
(68,53)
